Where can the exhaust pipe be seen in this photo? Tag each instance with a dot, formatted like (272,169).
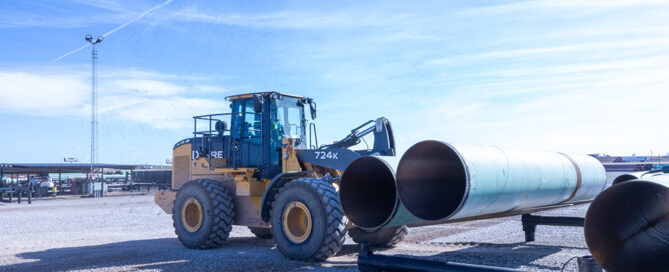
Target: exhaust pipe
(440,182)
(368,194)
(627,225)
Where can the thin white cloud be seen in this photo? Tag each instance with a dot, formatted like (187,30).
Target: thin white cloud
(163,113)
(115,6)
(640,63)
(166,103)
(147,87)
(140,16)
(41,94)
(70,53)
(292,19)
(18,18)
(136,18)
(575,5)
(642,44)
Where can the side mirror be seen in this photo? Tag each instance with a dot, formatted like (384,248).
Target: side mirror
(312,107)
(258,102)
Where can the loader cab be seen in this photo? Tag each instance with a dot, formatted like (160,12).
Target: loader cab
(259,123)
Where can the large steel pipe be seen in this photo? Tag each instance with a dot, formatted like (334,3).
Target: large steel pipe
(627,225)
(437,181)
(368,194)
(635,175)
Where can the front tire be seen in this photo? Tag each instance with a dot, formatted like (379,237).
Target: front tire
(307,220)
(384,237)
(203,214)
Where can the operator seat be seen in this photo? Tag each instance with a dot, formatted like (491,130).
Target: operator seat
(220,127)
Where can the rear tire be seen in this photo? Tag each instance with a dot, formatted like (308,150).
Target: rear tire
(262,233)
(203,214)
(307,220)
(384,237)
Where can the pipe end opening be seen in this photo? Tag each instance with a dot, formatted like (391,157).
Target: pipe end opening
(432,180)
(367,192)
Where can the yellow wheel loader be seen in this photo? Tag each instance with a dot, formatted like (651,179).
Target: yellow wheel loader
(260,166)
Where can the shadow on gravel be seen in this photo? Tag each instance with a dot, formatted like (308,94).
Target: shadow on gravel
(167,254)
(513,255)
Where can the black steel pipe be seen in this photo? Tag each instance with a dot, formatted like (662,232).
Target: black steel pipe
(636,175)
(627,226)
(625,177)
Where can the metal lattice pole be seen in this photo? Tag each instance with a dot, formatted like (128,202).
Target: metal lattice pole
(94,107)
(94,112)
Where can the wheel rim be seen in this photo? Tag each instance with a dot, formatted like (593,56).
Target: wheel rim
(191,215)
(296,222)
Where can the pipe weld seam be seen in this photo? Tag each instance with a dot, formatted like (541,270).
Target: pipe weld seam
(579,177)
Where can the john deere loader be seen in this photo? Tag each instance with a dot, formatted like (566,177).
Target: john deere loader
(260,166)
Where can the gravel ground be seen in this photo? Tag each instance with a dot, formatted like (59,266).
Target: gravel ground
(129,232)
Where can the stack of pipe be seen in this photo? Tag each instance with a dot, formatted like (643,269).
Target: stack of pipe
(438,182)
(627,225)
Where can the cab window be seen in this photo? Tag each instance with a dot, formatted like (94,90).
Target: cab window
(288,118)
(251,129)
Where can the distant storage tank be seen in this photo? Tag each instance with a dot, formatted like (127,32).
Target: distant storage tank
(438,182)
(627,225)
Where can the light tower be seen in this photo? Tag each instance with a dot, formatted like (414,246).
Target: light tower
(94,105)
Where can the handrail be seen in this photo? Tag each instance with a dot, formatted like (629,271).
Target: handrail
(208,117)
(311,145)
(211,132)
(213,114)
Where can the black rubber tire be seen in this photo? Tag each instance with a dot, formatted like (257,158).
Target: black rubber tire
(384,237)
(328,221)
(218,214)
(262,233)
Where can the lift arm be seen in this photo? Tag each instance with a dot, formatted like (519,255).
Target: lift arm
(384,141)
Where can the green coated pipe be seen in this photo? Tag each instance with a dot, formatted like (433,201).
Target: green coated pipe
(438,182)
(368,195)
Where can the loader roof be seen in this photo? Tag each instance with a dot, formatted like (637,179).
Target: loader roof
(249,95)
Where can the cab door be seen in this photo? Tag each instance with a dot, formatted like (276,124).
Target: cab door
(246,142)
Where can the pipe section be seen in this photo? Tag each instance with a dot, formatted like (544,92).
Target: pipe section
(627,225)
(368,194)
(635,175)
(437,181)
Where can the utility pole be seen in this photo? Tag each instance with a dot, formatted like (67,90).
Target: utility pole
(94,106)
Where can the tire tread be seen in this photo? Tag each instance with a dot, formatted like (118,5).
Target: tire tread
(380,238)
(335,219)
(223,214)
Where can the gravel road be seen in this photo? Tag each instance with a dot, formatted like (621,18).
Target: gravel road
(130,232)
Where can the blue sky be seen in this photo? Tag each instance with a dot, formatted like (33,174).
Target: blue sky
(572,76)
